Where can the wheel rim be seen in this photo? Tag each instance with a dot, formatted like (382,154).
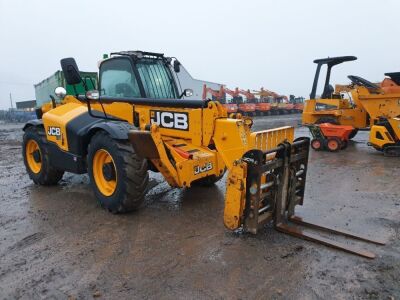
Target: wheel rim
(333,144)
(33,156)
(106,183)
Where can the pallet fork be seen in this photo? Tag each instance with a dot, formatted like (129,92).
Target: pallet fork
(276,184)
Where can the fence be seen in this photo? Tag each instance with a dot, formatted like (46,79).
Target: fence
(16,116)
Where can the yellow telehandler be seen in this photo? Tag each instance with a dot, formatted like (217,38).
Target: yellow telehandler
(137,121)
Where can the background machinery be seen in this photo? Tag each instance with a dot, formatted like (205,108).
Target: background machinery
(278,106)
(246,109)
(220,96)
(298,103)
(382,104)
(330,137)
(373,105)
(330,106)
(262,108)
(137,121)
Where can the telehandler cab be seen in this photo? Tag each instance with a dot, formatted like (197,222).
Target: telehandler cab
(135,123)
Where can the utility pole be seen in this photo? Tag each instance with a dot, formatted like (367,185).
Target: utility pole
(11,101)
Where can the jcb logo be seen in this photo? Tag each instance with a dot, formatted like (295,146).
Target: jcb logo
(54,131)
(201,169)
(170,119)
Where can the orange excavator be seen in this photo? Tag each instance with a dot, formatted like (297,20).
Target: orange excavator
(285,105)
(262,108)
(220,96)
(267,96)
(298,103)
(245,108)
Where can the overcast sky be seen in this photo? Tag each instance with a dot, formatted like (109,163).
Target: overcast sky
(248,44)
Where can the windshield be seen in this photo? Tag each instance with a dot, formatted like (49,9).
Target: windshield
(117,79)
(157,79)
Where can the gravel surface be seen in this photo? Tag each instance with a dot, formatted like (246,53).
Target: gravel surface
(57,243)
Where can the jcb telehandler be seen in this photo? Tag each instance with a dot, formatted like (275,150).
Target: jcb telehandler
(135,123)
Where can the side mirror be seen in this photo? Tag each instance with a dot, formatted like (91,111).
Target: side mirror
(60,92)
(71,71)
(92,95)
(177,66)
(186,93)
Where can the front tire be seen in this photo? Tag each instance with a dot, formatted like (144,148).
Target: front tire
(37,158)
(118,176)
(334,144)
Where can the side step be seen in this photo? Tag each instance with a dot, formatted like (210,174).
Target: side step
(298,232)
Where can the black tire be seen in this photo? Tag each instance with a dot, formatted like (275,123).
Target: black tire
(337,142)
(344,144)
(317,144)
(327,120)
(353,133)
(48,175)
(130,174)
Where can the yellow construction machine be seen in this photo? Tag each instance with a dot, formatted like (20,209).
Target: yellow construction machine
(369,105)
(382,103)
(137,121)
(330,106)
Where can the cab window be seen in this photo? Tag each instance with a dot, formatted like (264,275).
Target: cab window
(117,79)
(157,79)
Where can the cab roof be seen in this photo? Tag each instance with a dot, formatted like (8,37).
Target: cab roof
(138,54)
(334,60)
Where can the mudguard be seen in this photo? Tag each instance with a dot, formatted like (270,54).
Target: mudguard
(34,122)
(117,130)
(81,129)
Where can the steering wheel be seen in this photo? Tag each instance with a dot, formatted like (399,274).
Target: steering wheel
(357,80)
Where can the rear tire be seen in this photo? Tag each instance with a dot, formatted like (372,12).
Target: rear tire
(118,176)
(333,144)
(37,159)
(317,144)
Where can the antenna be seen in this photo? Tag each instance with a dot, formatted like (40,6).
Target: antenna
(11,101)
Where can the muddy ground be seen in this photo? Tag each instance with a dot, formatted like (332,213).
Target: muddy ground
(56,242)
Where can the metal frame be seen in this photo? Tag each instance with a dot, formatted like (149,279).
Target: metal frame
(276,184)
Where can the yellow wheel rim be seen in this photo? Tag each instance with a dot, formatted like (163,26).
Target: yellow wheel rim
(33,156)
(104,172)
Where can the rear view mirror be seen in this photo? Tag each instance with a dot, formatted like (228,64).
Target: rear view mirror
(71,71)
(177,66)
(188,92)
(92,95)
